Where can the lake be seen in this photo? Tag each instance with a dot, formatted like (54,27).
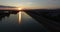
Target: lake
(19,22)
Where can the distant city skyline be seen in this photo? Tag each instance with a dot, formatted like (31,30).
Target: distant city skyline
(32,4)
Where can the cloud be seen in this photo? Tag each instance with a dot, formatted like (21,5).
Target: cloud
(53,0)
(2,6)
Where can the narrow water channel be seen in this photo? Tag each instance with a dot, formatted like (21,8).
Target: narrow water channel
(20,22)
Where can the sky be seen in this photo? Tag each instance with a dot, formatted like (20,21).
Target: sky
(32,4)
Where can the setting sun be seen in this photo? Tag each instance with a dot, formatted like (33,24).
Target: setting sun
(19,8)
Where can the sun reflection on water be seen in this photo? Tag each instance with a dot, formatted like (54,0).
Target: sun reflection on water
(19,17)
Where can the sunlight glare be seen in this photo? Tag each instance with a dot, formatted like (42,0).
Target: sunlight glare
(19,17)
(19,8)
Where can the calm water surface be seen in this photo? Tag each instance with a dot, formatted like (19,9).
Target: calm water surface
(20,22)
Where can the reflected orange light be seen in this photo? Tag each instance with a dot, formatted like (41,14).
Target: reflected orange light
(19,17)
